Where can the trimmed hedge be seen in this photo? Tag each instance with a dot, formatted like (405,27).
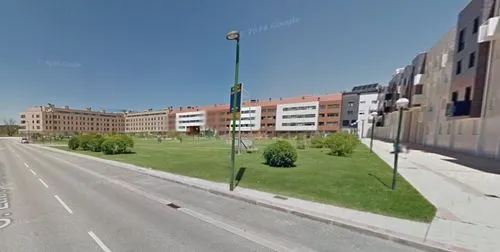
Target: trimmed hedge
(280,154)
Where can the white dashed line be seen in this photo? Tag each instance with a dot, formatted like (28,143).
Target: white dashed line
(99,242)
(43,183)
(34,173)
(26,164)
(64,204)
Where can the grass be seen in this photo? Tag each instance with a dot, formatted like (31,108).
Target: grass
(361,181)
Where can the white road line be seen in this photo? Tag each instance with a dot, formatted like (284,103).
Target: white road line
(34,173)
(64,204)
(26,164)
(99,242)
(44,184)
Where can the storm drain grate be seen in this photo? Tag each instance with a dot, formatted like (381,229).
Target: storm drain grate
(174,206)
(280,197)
(492,196)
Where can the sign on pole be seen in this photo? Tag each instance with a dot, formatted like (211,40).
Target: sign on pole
(235,106)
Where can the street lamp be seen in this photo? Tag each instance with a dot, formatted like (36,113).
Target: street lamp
(373,114)
(234,35)
(401,104)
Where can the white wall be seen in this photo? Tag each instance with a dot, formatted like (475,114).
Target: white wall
(292,117)
(250,119)
(367,104)
(186,119)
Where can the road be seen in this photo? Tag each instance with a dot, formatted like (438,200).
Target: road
(56,202)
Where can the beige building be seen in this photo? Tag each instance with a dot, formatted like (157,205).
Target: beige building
(52,120)
(148,121)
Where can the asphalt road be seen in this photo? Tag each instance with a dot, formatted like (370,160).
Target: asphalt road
(56,202)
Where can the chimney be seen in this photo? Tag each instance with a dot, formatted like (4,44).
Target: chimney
(319,98)
(269,99)
(303,97)
(180,108)
(281,98)
(66,107)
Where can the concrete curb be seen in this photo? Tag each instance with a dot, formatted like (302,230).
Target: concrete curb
(385,234)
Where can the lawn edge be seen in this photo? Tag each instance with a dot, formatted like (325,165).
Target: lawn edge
(386,234)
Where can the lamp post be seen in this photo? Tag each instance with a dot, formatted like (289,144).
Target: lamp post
(373,114)
(401,104)
(234,35)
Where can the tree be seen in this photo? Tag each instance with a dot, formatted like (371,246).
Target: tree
(10,127)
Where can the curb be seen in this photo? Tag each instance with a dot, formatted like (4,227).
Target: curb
(385,234)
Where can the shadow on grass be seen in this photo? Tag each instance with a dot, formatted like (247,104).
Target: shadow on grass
(279,167)
(239,175)
(379,180)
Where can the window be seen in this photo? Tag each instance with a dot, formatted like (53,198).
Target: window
(476,26)
(472,59)
(458,70)
(333,106)
(350,112)
(374,102)
(345,122)
(361,113)
(362,102)
(333,114)
(322,106)
(467,93)
(419,89)
(454,96)
(461,40)
(351,104)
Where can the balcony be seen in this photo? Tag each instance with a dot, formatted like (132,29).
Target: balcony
(417,80)
(489,31)
(458,108)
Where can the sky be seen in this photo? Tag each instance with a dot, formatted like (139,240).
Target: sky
(135,55)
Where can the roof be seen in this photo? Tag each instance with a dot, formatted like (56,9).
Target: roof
(366,88)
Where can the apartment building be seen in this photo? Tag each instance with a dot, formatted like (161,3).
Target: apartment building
(284,116)
(148,121)
(357,105)
(53,120)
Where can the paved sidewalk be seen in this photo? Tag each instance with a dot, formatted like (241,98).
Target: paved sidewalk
(468,210)
(402,231)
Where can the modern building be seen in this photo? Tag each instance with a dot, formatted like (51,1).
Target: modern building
(148,121)
(471,60)
(358,104)
(53,120)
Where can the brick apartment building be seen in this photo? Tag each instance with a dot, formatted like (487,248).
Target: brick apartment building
(284,116)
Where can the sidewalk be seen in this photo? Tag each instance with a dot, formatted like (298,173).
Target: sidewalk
(415,234)
(465,196)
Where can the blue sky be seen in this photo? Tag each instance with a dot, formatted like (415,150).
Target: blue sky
(157,53)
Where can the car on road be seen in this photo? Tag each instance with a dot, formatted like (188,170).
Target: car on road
(24,140)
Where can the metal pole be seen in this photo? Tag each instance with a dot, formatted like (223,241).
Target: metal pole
(373,129)
(396,150)
(235,97)
(239,130)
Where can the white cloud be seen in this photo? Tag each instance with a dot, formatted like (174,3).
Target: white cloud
(57,63)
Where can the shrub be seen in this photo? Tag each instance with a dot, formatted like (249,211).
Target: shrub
(85,142)
(280,154)
(95,143)
(108,146)
(341,143)
(300,142)
(317,142)
(73,143)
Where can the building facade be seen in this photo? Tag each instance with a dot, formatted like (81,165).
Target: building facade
(148,121)
(53,120)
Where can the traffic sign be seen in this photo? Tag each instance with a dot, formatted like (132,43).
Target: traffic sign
(236,106)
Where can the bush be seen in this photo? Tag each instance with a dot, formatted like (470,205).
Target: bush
(108,146)
(318,142)
(280,154)
(300,142)
(73,143)
(85,142)
(341,143)
(95,143)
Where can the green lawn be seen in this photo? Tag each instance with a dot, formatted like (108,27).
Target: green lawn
(361,181)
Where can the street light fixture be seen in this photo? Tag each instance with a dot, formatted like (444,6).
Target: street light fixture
(374,115)
(234,35)
(401,104)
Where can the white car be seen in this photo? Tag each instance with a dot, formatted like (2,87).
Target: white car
(24,140)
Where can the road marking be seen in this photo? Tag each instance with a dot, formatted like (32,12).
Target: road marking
(64,204)
(41,181)
(34,173)
(99,242)
(26,164)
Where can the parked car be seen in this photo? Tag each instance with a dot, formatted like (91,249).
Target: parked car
(24,140)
